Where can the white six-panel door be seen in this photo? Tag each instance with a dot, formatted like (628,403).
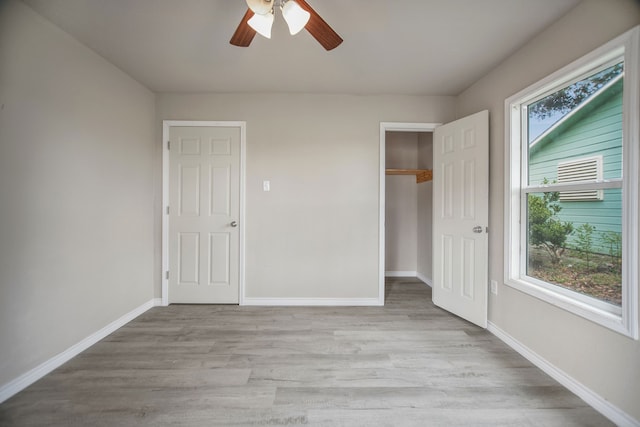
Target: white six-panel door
(204,203)
(461,216)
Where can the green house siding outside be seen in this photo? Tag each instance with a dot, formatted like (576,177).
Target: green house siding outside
(596,131)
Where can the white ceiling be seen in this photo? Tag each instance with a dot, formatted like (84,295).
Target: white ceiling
(422,47)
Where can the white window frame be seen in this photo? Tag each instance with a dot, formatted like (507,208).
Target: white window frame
(623,320)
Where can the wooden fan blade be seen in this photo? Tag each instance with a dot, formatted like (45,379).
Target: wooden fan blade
(319,29)
(244,33)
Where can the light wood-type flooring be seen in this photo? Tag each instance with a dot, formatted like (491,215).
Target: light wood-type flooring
(408,363)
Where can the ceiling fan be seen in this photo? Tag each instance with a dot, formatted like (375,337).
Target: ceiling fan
(298,14)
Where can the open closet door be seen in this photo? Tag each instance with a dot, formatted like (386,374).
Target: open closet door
(461,217)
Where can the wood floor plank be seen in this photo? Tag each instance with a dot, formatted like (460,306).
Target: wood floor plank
(408,363)
(462,398)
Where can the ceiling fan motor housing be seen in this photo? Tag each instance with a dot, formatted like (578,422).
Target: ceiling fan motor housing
(261,7)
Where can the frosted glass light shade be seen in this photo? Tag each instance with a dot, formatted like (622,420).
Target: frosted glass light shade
(295,16)
(262,24)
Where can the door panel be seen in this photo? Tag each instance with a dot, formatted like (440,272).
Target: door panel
(446,266)
(219,249)
(189,190)
(188,258)
(204,186)
(461,186)
(220,186)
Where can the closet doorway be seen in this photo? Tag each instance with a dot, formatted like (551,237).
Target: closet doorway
(406,162)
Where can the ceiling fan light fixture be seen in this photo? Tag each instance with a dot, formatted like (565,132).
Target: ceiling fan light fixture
(298,14)
(295,16)
(262,23)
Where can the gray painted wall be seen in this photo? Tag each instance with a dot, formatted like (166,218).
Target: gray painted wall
(315,234)
(76,191)
(606,362)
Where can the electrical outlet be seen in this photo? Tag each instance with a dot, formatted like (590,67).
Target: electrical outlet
(494,287)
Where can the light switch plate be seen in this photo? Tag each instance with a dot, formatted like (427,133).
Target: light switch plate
(494,287)
(266,186)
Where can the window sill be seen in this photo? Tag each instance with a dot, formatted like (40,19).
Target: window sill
(594,314)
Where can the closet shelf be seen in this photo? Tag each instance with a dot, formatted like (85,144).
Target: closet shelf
(422,175)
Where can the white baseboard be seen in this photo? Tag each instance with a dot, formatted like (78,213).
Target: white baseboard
(345,302)
(425,279)
(612,412)
(25,380)
(400,274)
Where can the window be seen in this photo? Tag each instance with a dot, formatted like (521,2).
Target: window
(571,199)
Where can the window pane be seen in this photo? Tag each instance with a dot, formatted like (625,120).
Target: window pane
(580,121)
(577,244)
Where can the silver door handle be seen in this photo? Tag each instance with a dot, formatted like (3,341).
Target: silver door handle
(233,224)
(477,229)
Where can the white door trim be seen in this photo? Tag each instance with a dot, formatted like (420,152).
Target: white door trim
(394,127)
(166,125)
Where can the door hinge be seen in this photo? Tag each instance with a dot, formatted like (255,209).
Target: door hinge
(168,145)
(486,229)
(167,274)
(167,210)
